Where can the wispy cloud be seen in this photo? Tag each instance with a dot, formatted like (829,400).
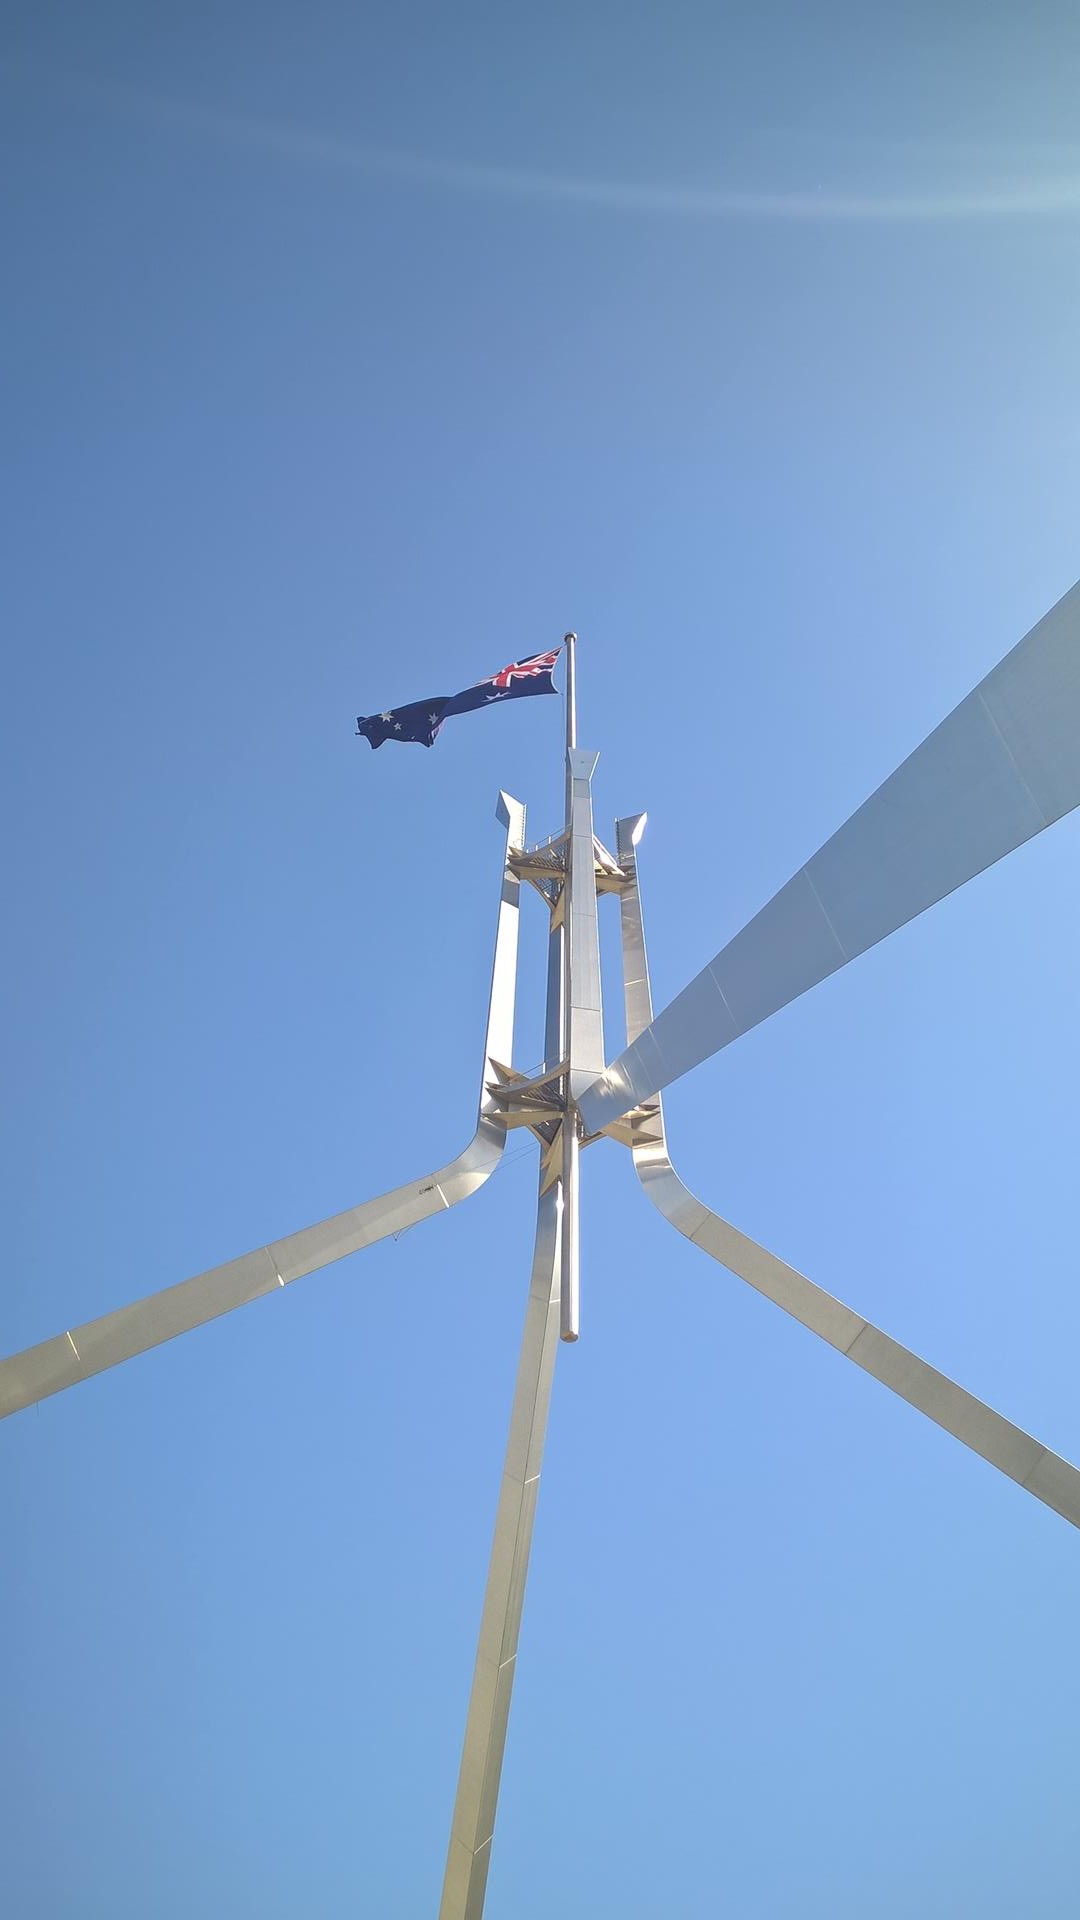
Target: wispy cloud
(1015,191)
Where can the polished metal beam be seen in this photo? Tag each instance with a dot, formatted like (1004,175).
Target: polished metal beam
(76,1354)
(473,1824)
(574,1047)
(1002,766)
(1038,1470)
(582,1018)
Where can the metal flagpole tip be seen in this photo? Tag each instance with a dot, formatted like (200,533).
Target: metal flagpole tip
(567,637)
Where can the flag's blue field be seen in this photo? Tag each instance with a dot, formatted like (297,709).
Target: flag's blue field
(420,721)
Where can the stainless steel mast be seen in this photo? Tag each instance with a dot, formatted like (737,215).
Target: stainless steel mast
(473,1823)
(583,1020)
(998,770)
(574,1055)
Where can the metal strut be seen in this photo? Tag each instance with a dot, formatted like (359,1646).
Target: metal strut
(565,871)
(1007,1447)
(583,1019)
(73,1356)
(473,1823)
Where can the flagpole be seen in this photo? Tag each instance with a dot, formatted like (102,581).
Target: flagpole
(569,1304)
(570,643)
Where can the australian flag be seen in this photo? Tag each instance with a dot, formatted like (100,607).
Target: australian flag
(421,719)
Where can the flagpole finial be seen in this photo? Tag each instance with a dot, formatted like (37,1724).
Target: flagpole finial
(567,637)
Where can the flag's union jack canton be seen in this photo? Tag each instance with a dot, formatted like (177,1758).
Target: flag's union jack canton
(421,719)
(521,676)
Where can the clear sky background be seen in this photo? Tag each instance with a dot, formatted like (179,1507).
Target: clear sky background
(351,352)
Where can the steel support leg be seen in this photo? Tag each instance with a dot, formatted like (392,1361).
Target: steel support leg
(1015,1453)
(473,1824)
(88,1349)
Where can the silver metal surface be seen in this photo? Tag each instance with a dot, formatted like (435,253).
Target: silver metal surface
(75,1355)
(473,1823)
(570,648)
(1002,766)
(1038,1470)
(570,1235)
(584,1049)
(583,1019)
(573,1040)
(582,1025)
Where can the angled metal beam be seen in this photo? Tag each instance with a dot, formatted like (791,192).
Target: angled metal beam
(1033,1466)
(82,1351)
(1002,766)
(473,1824)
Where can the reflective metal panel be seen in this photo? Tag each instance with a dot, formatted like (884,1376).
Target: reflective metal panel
(1003,765)
(489,1702)
(69,1357)
(583,1020)
(1045,1474)
(584,1050)
(469,1855)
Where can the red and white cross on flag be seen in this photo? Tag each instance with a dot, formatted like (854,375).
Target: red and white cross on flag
(523,669)
(421,720)
(520,677)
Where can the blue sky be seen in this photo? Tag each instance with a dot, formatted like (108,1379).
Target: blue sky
(350,353)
